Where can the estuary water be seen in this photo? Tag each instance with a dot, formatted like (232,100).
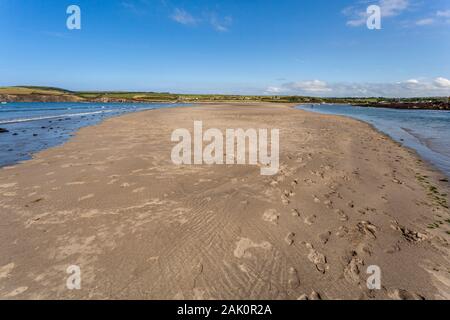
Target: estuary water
(425,131)
(32,127)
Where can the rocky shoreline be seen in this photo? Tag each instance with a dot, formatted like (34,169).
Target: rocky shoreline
(38,98)
(434,105)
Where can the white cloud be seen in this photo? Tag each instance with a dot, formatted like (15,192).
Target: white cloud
(357,22)
(309,86)
(425,22)
(359,18)
(442,82)
(409,88)
(137,7)
(275,90)
(219,24)
(183,17)
(445,13)
(439,17)
(389,8)
(410,84)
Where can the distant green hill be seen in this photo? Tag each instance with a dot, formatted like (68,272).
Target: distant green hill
(34,93)
(51,94)
(30,90)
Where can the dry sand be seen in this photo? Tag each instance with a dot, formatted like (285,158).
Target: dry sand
(112,202)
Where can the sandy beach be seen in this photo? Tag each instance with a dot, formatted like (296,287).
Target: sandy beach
(139,227)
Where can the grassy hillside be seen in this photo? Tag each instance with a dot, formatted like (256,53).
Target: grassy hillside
(33,90)
(28,93)
(50,94)
(32,94)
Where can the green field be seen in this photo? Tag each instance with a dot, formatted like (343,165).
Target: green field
(29,92)
(32,93)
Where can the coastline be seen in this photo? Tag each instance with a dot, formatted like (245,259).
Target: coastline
(51,94)
(141,227)
(48,125)
(415,142)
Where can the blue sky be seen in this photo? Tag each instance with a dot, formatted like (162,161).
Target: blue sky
(319,47)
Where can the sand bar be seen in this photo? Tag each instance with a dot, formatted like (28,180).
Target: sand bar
(112,202)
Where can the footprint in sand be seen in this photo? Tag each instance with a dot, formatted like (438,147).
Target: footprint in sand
(324,237)
(293,280)
(285,200)
(310,220)
(271,215)
(328,204)
(6,270)
(342,216)
(342,232)
(295,213)
(353,269)
(289,193)
(393,249)
(274,183)
(366,228)
(244,245)
(409,235)
(364,211)
(399,294)
(290,238)
(319,260)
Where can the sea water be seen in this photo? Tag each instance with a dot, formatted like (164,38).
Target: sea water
(36,126)
(425,131)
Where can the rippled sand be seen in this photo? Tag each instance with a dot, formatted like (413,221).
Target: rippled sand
(139,227)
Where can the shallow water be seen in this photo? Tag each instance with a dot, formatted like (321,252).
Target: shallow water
(36,126)
(426,131)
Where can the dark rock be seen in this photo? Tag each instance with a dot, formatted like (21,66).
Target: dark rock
(3,130)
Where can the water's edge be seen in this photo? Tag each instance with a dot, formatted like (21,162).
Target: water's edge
(418,153)
(27,137)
